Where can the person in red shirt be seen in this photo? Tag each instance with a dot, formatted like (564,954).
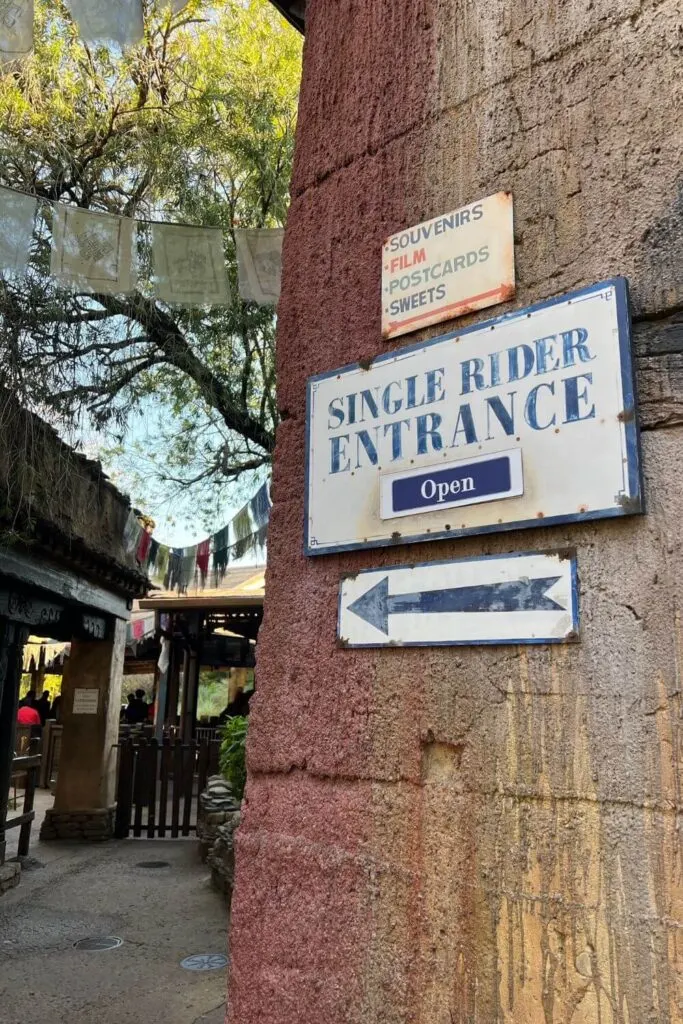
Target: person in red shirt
(27,715)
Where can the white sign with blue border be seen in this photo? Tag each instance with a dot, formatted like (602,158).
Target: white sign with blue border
(526,420)
(529,598)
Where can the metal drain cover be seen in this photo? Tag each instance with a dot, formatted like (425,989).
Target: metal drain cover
(204,962)
(153,864)
(99,942)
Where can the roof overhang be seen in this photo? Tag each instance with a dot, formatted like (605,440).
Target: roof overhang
(294,11)
(189,603)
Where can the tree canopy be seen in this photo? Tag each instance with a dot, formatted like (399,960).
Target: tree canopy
(196,125)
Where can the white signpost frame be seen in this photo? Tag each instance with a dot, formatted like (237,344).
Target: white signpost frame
(553,382)
(448,266)
(526,598)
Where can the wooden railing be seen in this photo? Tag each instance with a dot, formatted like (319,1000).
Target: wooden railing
(27,765)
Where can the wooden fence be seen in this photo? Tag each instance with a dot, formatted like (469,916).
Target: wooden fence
(159,785)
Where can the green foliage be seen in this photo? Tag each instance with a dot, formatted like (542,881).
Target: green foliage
(195,124)
(213,692)
(232,758)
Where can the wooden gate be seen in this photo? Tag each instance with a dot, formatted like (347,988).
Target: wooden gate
(159,785)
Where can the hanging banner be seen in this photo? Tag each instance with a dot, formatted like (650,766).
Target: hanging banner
(116,21)
(259,264)
(189,265)
(260,506)
(448,266)
(92,251)
(132,532)
(528,420)
(17,216)
(16,29)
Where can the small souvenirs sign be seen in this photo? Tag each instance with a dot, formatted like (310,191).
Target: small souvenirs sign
(448,266)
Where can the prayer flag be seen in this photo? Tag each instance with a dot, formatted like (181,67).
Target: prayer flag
(189,265)
(131,533)
(117,21)
(17,216)
(259,264)
(172,577)
(92,251)
(203,552)
(260,506)
(188,564)
(16,29)
(143,547)
(221,554)
(241,527)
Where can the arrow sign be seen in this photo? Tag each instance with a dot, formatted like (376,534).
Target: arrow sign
(529,598)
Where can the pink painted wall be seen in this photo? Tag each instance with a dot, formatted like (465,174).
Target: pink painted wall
(469,835)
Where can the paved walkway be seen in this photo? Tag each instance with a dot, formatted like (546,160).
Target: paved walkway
(163,914)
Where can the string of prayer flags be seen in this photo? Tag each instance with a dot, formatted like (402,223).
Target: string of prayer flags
(260,506)
(117,21)
(189,265)
(17,217)
(92,251)
(180,568)
(16,29)
(259,264)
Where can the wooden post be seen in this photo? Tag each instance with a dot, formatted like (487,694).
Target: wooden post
(12,640)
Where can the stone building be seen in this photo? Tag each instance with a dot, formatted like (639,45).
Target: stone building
(65,574)
(463,835)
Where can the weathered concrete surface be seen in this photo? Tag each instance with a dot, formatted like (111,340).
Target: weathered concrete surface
(462,836)
(71,892)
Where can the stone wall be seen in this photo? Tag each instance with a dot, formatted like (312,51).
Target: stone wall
(90,825)
(470,835)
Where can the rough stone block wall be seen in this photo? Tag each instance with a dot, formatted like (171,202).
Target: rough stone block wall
(475,835)
(90,825)
(53,497)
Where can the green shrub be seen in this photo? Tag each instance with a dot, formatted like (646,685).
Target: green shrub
(232,759)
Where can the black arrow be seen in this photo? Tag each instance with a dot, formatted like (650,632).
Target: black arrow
(523,595)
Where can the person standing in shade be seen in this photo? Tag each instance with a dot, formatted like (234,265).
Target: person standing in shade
(42,706)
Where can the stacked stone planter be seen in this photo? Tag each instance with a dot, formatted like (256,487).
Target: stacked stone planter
(221,856)
(10,873)
(216,805)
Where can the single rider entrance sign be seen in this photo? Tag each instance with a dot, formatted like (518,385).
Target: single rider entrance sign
(522,421)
